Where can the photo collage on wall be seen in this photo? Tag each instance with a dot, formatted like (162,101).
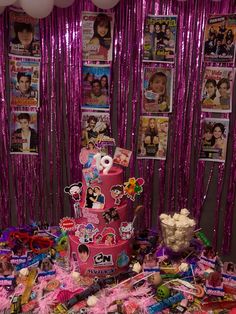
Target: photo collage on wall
(97,37)
(159,55)
(217,84)
(24,76)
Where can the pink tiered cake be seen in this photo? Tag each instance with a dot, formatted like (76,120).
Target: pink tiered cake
(102,243)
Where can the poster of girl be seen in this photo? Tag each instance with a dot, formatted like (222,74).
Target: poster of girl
(157,89)
(97,33)
(152,137)
(24,39)
(214,139)
(217,89)
(96,83)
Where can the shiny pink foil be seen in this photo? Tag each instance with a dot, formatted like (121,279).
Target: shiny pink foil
(35,183)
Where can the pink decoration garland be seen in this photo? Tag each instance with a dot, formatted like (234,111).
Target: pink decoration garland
(38,182)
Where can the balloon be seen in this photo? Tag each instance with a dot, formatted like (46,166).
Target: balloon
(2,9)
(17,4)
(6,2)
(36,8)
(105,4)
(63,3)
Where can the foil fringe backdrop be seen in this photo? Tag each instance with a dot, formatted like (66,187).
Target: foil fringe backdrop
(33,186)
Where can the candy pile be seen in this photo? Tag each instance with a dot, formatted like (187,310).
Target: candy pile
(35,277)
(177,230)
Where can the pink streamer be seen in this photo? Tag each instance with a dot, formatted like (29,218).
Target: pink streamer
(38,182)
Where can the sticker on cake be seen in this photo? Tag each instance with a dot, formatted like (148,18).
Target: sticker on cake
(91,175)
(122,259)
(101,259)
(133,187)
(126,230)
(117,192)
(94,198)
(74,190)
(85,233)
(107,236)
(86,155)
(67,224)
(122,156)
(92,218)
(83,252)
(111,215)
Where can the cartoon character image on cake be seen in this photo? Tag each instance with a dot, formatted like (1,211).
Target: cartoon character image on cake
(126,230)
(83,252)
(91,175)
(133,187)
(108,236)
(117,192)
(85,233)
(122,260)
(74,190)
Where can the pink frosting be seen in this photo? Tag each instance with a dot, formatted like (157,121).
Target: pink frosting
(102,260)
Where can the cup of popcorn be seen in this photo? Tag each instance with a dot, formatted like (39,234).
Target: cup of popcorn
(177,230)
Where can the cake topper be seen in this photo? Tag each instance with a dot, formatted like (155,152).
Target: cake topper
(74,190)
(122,156)
(133,187)
(103,163)
(117,192)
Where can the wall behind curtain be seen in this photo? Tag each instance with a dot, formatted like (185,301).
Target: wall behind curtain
(31,187)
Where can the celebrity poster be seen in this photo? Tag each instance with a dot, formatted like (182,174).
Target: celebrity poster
(214,139)
(97,33)
(157,89)
(217,89)
(96,84)
(24,82)
(160,38)
(153,137)
(24,39)
(24,132)
(219,38)
(95,127)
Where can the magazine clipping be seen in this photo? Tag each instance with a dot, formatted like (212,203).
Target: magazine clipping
(157,89)
(153,137)
(97,34)
(160,38)
(24,82)
(95,127)
(217,89)
(220,38)
(214,139)
(24,132)
(96,84)
(24,39)
(122,156)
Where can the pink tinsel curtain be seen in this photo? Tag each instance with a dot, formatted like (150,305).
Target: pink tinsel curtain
(31,187)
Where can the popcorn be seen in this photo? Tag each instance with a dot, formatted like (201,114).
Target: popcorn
(92,300)
(137,267)
(177,229)
(24,272)
(184,212)
(183,267)
(75,275)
